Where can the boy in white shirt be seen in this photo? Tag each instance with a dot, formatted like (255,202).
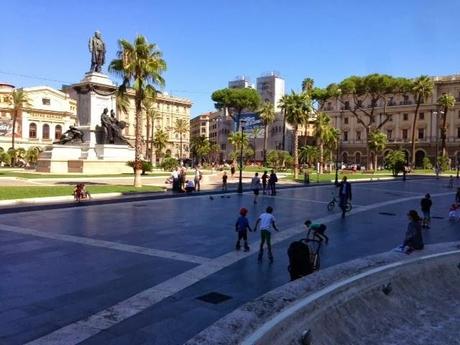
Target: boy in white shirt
(267,222)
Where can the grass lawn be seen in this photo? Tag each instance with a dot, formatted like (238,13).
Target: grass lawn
(322,178)
(33,175)
(13,192)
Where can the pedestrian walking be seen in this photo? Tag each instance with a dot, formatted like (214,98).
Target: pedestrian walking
(425,205)
(242,227)
(224,181)
(255,186)
(197,179)
(267,223)
(264,182)
(272,182)
(457,196)
(344,194)
(232,170)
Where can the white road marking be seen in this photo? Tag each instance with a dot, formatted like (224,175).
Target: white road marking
(79,331)
(107,244)
(385,191)
(299,199)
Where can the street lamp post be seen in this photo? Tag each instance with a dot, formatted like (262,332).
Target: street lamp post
(337,151)
(240,181)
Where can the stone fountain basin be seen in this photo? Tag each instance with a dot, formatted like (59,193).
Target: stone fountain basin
(346,304)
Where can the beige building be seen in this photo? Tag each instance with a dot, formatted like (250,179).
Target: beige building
(199,126)
(399,128)
(168,109)
(49,114)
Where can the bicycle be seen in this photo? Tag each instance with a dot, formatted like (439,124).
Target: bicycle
(334,201)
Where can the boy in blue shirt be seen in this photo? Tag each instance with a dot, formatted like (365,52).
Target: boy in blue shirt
(242,227)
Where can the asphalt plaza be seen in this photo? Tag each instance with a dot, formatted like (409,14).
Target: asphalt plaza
(137,272)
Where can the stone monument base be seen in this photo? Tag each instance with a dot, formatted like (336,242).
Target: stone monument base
(100,159)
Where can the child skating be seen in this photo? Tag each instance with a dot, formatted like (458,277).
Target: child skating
(267,222)
(242,227)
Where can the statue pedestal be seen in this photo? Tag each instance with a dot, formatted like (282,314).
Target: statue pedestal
(93,94)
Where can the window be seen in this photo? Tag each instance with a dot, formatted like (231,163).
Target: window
(345,120)
(459,114)
(421,132)
(46,131)
(347,105)
(46,101)
(405,116)
(345,136)
(421,116)
(389,134)
(358,135)
(458,132)
(390,118)
(404,133)
(32,131)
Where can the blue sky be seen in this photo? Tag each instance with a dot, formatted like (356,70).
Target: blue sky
(206,43)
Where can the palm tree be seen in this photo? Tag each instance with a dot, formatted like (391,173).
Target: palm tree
(307,85)
(160,141)
(267,114)
(200,147)
(151,115)
(325,134)
(237,139)
(284,104)
(421,89)
(377,142)
(19,100)
(141,64)
(255,134)
(309,154)
(181,127)
(297,110)
(447,102)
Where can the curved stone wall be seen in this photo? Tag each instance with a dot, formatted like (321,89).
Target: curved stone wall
(390,298)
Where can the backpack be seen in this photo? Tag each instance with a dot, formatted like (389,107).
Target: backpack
(299,260)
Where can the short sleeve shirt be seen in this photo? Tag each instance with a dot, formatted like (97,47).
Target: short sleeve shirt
(266,221)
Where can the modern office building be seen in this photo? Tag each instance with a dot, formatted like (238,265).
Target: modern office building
(401,110)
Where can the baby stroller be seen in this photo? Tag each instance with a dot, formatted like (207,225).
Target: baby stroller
(304,257)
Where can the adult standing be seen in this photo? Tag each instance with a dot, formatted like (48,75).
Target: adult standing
(175,180)
(198,177)
(344,194)
(232,170)
(264,182)
(255,186)
(272,182)
(97,48)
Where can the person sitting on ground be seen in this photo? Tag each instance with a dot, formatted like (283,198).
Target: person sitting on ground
(189,186)
(454,212)
(413,239)
(80,192)
(318,231)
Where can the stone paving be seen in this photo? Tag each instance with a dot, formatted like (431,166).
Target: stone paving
(130,273)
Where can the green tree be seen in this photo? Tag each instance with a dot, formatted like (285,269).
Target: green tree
(200,147)
(447,102)
(427,163)
(309,154)
(215,151)
(361,96)
(169,163)
(307,86)
(160,140)
(237,139)
(297,108)
(395,161)
(235,101)
(421,89)
(19,100)
(32,154)
(151,115)
(325,134)
(377,143)
(267,114)
(181,127)
(140,65)
(279,159)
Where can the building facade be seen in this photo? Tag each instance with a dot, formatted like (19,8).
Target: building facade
(49,114)
(401,110)
(168,110)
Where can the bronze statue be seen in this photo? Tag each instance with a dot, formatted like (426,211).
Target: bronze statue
(72,135)
(97,49)
(112,129)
